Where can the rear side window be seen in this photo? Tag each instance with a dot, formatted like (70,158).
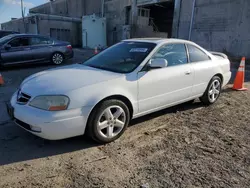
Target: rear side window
(196,55)
(175,54)
(39,41)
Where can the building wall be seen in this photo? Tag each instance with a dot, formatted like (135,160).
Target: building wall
(115,13)
(17,25)
(46,25)
(71,8)
(92,7)
(43,25)
(218,25)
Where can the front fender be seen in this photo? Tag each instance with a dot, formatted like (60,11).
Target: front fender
(93,94)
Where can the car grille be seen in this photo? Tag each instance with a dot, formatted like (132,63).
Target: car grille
(22,98)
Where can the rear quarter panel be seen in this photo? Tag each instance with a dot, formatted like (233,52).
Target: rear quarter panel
(204,71)
(62,48)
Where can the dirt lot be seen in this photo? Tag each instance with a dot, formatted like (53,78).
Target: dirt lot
(185,146)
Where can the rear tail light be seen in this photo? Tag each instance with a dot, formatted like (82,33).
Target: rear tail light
(69,47)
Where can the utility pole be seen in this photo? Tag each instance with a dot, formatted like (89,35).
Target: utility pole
(103,5)
(134,11)
(22,11)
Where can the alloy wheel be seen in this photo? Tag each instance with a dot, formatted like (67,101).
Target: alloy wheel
(57,58)
(111,122)
(214,90)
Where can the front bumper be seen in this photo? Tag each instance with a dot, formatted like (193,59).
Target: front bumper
(50,125)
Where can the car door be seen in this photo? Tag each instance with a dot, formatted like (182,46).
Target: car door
(162,87)
(18,51)
(203,68)
(41,48)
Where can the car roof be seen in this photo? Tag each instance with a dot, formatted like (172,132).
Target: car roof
(27,35)
(157,40)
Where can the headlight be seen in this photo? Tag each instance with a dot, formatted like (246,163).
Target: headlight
(50,103)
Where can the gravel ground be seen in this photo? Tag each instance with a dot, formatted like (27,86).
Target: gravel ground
(189,145)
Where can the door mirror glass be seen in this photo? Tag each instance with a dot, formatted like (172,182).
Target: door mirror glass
(158,63)
(7,47)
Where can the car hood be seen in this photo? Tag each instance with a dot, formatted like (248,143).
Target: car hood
(64,79)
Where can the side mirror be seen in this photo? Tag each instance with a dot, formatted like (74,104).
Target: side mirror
(7,47)
(158,63)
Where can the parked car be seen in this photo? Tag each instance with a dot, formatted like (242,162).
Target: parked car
(5,33)
(128,80)
(26,48)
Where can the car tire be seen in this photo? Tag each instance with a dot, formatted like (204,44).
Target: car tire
(212,92)
(57,58)
(108,121)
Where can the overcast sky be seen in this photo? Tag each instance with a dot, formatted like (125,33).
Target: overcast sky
(12,8)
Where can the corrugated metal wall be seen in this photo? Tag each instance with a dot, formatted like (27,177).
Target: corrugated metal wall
(219,25)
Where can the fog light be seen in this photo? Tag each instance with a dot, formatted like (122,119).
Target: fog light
(36,129)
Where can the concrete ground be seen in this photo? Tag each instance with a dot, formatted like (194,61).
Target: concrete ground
(185,146)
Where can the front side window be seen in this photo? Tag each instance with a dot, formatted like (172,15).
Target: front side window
(19,42)
(196,55)
(123,57)
(175,54)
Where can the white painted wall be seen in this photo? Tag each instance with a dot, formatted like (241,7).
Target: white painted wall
(94,32)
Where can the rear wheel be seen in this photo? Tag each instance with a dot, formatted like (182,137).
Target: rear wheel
(57,58)
(212,92)
(108,121)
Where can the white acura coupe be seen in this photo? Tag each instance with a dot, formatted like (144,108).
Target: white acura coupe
(130,79)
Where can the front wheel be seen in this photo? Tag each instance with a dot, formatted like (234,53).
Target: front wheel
(212,92)
(108,121)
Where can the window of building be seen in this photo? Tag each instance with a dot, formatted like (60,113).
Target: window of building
(128,15)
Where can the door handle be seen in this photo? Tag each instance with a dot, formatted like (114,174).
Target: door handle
(26,48)
(187,72)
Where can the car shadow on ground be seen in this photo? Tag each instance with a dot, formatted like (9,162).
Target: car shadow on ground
(24,146)
(174,109)
(17,145)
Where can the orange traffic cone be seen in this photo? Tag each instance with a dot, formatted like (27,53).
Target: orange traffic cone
(1,80)
(240,77)
(96,50)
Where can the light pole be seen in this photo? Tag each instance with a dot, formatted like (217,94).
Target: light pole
(23,16)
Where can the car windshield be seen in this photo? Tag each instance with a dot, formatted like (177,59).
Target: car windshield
(123,57)
(3,40)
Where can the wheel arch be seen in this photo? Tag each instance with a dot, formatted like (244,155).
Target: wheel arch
(122,98)
(220,76)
